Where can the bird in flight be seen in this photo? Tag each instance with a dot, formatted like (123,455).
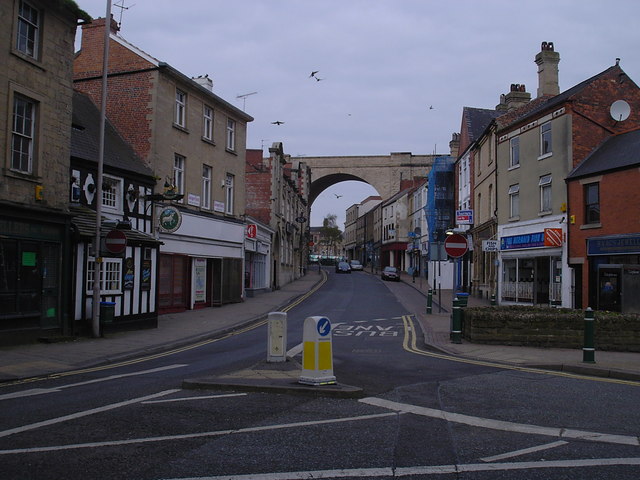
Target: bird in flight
(277,122)
(430,107)
(313,74)
(337,196)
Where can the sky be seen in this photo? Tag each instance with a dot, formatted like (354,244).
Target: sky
(393,75)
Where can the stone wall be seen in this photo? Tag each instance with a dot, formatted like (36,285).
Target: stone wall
(550,327)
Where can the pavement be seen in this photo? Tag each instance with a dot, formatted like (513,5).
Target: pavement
(176,330)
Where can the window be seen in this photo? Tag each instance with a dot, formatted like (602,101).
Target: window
(178,173)
(545,139)
(110,275)
(112,193)
(23,134)
(206,187)
(231,134)
(229,194)
(28,31)
(207,123)
(514,201)
(515,152)
(545,193)
(181,106)
(592,203)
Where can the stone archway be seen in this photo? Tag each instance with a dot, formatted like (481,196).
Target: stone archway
(382,172)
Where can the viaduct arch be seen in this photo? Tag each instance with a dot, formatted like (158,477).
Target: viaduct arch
(382,172)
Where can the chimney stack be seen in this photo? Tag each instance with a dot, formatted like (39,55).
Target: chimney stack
(517,97)
(204,81)
(547,61)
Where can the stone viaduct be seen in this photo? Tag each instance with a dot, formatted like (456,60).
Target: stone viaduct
(382,172)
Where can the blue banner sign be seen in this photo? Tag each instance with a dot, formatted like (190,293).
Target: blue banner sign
(527,240)
(614,245)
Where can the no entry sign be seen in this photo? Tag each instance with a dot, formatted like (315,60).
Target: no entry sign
(456,245)
(115,241)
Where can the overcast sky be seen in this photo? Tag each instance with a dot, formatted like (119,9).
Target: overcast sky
(383,64)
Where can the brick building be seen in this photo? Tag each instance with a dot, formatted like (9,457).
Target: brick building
(537,146)
(35,119)
(604,224)
(195,142)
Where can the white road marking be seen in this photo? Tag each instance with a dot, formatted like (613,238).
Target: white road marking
(524,451)
(502,425)
(186,399)
(86,413)
(391,472)
(42,391)
(195,435)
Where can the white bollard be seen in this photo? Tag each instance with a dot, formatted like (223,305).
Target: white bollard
(317,352)
(277,337)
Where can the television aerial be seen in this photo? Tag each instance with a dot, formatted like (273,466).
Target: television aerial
(244,98)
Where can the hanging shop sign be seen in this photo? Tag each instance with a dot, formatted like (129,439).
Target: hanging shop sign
(170,219)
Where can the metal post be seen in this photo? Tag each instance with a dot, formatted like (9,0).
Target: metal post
(429,301)
(589,351)
(456,327)
(493,299)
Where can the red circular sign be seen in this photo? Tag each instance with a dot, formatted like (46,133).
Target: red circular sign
(115,241)
(456,245)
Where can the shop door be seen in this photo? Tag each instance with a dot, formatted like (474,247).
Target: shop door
(542,280)
(172,286)
(609,284)
(50,285)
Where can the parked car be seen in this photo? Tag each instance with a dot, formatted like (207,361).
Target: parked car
(355,265)
(343,267)
(390,273)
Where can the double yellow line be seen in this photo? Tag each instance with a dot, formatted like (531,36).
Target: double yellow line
(185,348)
(410,345)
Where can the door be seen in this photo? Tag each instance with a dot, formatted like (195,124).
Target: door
(609,284)
(172,287)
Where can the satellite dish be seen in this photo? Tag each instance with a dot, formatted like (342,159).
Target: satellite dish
(620,110)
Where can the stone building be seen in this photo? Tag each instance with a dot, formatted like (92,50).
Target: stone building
(35,119)
(277,195)
(195,142)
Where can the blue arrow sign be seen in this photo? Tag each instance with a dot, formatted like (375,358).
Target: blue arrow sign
(324,326)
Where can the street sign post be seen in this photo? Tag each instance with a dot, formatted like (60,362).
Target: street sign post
(115,242)
(456,245)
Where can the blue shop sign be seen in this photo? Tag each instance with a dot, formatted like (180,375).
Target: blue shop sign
(527,240)
(614,245)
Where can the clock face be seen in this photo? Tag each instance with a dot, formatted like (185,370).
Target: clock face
(170,219)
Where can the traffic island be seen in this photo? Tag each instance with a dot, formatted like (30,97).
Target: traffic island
(271,377)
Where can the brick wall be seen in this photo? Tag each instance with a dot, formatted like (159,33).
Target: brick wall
(258,177)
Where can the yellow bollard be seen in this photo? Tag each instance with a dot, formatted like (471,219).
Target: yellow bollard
(317,353)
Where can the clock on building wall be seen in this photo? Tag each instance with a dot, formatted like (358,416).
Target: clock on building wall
(170,219)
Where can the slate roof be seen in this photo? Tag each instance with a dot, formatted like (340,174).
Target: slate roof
(477,120)
(85,139)
(84,220)
(615,153)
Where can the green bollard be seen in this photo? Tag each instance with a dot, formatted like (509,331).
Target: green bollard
(429,301)
(589,351)
(456,328)
(493,300)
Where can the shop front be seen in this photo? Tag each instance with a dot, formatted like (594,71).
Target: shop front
(614,272)
(201,260)
(257,258)
(531,268)
(34,274)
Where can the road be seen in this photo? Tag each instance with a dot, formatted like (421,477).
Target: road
(421,416)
